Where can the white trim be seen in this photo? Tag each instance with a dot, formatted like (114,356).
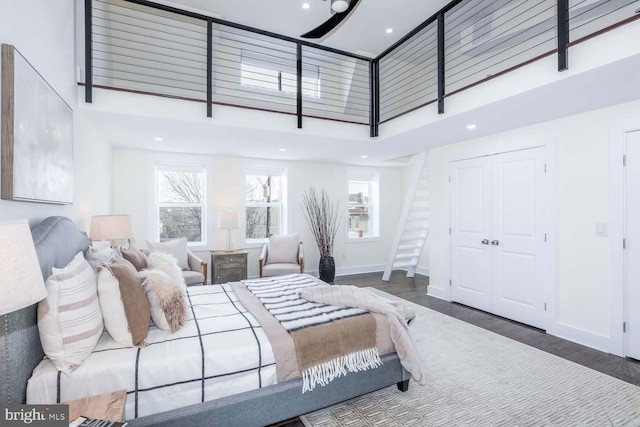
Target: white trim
(616,234)
(361,269)
(374,208)
(581,336)
(424,271)
(550,220)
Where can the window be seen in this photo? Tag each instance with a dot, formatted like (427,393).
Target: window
(276,74)
(265,203)
(363,204)
(180,201)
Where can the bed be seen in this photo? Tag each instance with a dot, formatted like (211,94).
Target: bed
(57,240)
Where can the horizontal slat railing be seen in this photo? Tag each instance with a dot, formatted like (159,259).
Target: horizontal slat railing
(143,47)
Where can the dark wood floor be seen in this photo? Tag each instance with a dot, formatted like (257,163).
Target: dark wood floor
(415,290)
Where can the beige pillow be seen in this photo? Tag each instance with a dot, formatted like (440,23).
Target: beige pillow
(283,249)
(167,301)
(125,307)
(69,319)
(175,247)
(135,257)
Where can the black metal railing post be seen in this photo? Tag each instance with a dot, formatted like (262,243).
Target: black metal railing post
(88,51)
(441,66)
(299,80)
(376,96)
(209,68)
(563,34)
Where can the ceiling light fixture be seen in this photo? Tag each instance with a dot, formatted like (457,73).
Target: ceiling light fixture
(283,149)
(471,126)
(389,30)
(339,6)
(364,156)
(306,5)
(158,139)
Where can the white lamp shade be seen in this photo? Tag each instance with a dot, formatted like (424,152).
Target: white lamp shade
(229,219)
(111,227)
(339,6)
(21,282)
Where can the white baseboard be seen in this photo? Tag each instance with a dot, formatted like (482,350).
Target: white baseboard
(423,271)
(439,293)
(580,336)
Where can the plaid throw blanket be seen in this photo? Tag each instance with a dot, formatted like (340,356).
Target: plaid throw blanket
(329,340)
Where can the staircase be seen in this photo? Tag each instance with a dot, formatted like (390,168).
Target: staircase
(413,226)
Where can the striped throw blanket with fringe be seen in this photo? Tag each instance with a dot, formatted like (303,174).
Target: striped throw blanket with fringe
(329,340)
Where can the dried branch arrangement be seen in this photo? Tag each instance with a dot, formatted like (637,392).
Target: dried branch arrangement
(323,216)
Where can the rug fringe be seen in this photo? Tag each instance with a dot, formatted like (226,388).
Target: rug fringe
(323,373)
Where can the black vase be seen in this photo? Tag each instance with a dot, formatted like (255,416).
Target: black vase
(327,269)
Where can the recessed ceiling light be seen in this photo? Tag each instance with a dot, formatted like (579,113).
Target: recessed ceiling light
(158,139)
(306,5)
(283,149)
(389,30)
(471,126)
(364,156)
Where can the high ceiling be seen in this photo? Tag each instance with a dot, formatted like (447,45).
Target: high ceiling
(363,32)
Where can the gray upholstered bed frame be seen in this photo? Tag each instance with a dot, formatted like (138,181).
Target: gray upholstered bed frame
(57,240)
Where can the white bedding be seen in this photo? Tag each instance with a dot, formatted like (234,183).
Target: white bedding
(171,371)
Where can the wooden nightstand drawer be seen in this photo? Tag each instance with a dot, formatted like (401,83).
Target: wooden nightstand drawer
(228,266)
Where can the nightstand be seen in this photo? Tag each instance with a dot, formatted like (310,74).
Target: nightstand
(228,266)
(107,406)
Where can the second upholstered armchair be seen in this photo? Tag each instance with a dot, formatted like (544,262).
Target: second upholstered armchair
(282,255)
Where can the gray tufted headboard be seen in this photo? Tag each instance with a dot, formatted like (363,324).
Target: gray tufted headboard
(57,240)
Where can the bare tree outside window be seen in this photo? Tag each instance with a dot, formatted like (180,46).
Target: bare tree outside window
(180,203)
(263,206)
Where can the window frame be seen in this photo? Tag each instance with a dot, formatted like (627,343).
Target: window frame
(274,170)
(195,166)
(372,177)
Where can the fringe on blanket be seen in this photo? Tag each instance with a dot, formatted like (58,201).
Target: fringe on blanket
(326,372)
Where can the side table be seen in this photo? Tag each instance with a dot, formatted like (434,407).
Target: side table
(107,406)
(228,266)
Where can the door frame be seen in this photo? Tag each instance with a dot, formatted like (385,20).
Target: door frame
(617,310)
(549,146)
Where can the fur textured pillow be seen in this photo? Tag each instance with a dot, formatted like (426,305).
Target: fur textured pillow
(168,264)
(167,301)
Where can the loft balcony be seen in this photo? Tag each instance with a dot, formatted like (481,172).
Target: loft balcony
(220,86)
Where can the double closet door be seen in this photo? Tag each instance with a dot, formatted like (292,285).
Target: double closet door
(497,234)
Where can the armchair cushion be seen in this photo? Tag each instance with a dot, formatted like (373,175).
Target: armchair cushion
(175,247)
(283,249)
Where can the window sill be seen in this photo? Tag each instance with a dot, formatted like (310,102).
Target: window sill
(363,239)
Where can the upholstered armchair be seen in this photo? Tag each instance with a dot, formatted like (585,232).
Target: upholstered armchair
(282,255)
(194,270)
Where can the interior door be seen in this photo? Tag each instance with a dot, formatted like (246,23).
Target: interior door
(470,232)
(517,237)
(632,251)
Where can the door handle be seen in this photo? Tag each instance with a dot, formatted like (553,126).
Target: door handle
(485,241)
(495,242)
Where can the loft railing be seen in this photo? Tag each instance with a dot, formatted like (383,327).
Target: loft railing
(144,47)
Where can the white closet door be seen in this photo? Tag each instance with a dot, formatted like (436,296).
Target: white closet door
(470,226)
(517,238)
(632,252)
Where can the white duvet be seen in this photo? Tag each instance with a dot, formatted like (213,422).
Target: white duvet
(223,351)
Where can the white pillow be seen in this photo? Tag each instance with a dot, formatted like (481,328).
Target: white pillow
(167,301)
(283,249)
(69,319)
(175,247)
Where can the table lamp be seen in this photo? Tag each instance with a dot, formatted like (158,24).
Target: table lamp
(111,227)
(21,282)
(229,220)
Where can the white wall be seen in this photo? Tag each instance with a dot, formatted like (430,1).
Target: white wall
(43,32)
(133,194)
(583,263)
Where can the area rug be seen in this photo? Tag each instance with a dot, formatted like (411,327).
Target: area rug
(478,378)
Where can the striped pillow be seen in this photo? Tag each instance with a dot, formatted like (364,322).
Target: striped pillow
(69,319)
